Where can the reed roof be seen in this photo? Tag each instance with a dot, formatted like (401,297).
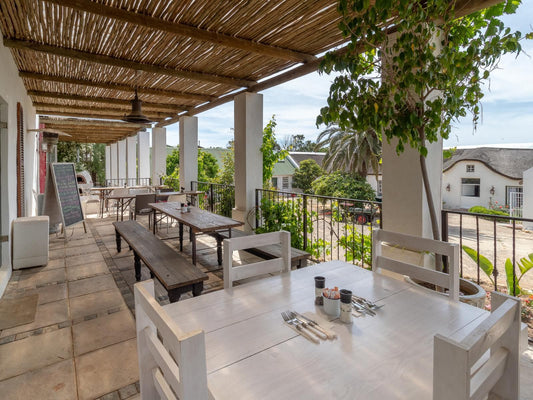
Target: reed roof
(83,58)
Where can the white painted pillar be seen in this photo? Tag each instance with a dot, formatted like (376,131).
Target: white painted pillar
(159,154)
(248,114)
(405,207)
(131,160)
(121,160)
(143,154)
(188,151)
(527,207)
(114,164)
(108,162)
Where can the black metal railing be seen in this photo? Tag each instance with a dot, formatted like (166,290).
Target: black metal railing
(218,198)
(330,228)
(128,182)
(493,248)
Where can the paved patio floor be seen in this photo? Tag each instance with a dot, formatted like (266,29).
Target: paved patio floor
(82,343)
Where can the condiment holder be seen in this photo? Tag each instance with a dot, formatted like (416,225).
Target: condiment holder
(332,301)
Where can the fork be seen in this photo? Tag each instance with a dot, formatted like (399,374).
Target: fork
(294,322)
(310,327)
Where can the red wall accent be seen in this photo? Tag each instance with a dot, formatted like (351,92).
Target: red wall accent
(42,162)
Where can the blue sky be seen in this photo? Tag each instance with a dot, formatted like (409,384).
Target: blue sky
(507,106)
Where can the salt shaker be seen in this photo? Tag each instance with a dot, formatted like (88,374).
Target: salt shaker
(346,306)
(320,284)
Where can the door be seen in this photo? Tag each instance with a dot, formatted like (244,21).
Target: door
(516,200)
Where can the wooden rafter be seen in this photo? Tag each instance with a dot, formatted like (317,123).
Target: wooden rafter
(102,110)
(184,30)
(88,122)
(123,63)
(75,97)
(88,115)
(116,86)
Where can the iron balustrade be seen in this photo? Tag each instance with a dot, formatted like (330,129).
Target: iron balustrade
(330,228)
(490,236)
(128,182)
(218,198)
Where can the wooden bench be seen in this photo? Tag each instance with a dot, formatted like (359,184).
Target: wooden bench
(174,272)
(298,257)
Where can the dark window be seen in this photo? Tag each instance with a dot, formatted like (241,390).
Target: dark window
(470,187)
(470,168)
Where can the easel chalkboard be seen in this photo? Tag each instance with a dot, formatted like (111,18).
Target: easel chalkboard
(61,196)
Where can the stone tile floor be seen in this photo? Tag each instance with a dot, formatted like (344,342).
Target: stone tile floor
(82,343)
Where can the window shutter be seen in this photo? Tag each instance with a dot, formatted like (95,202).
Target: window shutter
(20,162)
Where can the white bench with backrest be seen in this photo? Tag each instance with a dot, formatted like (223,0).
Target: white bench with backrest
(281,264)
(449,280)
(172,363)
(485,362)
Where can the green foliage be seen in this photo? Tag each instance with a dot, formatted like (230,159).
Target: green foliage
(207,166)
(227,174)
(341,184)
(85,156)
(358,246)
(298,143)
(173,161)
(350,150)
(484,262)
(483,210)
(270,155)
(525,264)
(433,68)
(305,175)
(448,153)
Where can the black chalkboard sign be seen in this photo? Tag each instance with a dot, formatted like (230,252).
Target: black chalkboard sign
(62,193)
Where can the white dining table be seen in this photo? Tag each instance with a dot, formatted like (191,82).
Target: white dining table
(252,354)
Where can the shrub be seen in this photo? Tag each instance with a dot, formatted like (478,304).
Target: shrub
(483,210)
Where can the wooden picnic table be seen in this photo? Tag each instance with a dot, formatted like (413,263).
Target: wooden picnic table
(198,220)
(252,354)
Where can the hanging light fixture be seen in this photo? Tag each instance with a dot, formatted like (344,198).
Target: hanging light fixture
(136,115)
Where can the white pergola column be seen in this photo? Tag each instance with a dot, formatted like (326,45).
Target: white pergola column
(527,206)
(405,207)
(108,162)
(159,154)
(143,154)
(131,160)
(248,114)
(188,151)
(114,163)
(121,160)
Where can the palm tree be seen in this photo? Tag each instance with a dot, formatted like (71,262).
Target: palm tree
(350,150)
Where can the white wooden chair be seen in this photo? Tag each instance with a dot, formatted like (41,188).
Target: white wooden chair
(172,363)
(449,281)
(461,369)
(282,264)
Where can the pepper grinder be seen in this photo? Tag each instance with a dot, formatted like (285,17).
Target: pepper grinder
(346,306)
(320,284)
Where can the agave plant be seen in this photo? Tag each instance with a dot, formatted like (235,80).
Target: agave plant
(525,264)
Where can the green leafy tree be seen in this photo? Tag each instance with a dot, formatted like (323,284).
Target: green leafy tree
(173,161)
(342,184)
(432,61)
(270,155)
(305,175)
(207,166)
(85,156)
(227,174)
(350,150)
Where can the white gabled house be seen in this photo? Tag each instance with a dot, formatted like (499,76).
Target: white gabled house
(485,176)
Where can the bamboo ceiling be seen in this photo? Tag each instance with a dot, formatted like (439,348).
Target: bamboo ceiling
(83,58)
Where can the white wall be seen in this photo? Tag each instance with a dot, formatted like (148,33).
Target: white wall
(371,179)
(527,211)
(12,91)
(487,178)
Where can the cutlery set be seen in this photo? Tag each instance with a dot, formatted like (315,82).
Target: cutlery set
(363,306)
(306,327)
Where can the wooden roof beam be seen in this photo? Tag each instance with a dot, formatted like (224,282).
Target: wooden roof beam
(87,115)
(105,110)
(184,30)
(124,63)
(107,100)
(116,86)
(88,122)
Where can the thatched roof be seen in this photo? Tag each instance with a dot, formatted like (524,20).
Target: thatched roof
(82,58)
(508,162)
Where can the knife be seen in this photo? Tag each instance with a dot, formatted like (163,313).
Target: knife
(315,325)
